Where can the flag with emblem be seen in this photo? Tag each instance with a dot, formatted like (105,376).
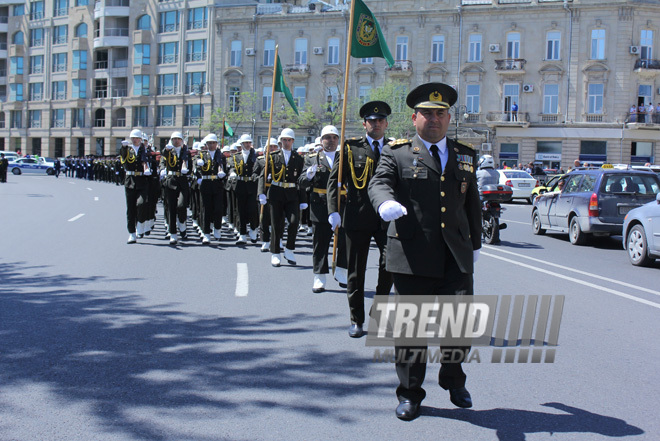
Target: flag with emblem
(368,40)
(280,84)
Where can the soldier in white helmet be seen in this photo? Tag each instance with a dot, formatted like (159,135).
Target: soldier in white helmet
(154,184)
(264,218)
(133,158)
(195,203)
(175,165)
(210,168)
(241,167)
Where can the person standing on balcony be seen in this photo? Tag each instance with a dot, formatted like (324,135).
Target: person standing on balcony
(633,114)
(514,112)
(649,113)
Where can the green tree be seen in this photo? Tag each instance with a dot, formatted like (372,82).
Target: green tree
(399,122)
(240,118)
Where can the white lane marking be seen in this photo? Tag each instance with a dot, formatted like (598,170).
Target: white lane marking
(242,283)
(75,218)
(578,281)
(89,189)
(516,222)
(583,273)
(72,183)
(96,198)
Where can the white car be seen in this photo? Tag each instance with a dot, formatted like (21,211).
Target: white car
(521,182)
(32,166)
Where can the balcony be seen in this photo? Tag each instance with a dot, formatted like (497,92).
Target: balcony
(119,122)
(593,117)
(60,67)
(508,66)
(167,90)
(168,59)
(297,71)
(472,118)
(643,120)
(119,93)
(58,123)
(169,27)
(503,118)
(112,37)
(401,68)
(550,118)
(197,24)
(165,122)
(196,56)
(100,122)
(120,63)
(36,15)
(647,69)
(111,8)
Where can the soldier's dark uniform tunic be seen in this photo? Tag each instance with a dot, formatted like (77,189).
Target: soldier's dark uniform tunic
(154,183)
(264,217)
(245,190)
(429,250)
(318,212)
(360,222)
(284,197)
(211,188)
(135,185)
(175,185)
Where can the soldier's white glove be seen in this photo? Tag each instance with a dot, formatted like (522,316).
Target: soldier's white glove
(311,172)
(116,173)
(475,255)
(262,199)
(199,181)
(200,162)
(221,174)
(334,220)
(163,172)
(147,173)
(303,205)
(184,170)
(391,210)
(125,143)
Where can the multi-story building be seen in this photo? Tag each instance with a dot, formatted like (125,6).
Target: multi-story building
(573,68)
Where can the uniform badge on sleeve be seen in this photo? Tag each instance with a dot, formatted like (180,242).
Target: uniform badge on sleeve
(464,187)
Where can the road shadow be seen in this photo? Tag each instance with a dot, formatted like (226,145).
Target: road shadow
(92,344)
(515,424)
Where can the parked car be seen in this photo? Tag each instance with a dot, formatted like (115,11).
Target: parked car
(593,201)
(31,165)
(520,181)
(641,233)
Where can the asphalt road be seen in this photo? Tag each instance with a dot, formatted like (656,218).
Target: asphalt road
(100,340)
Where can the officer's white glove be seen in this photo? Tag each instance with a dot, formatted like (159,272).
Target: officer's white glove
(475,255)
(221,174)
(391,210)
(163,172)
(334,220)
(311,172)
(184,170)
(200,162)
(199,181)
(262,199)
(147,172)
(318,148)
(303,206)
(125,143)
(116,173)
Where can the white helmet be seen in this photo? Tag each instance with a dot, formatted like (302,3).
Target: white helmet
(329,130)
(234,146)
(317,141)
(211,137)
(144,137)
(197,145)
(486,161)
(225,149)
(287,133)
(273,141)
(302,149)
(245,138)
(125,143)
(176,135)
(135,133)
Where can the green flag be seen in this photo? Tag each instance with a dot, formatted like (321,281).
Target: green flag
(368,40)
(228,131)
(280,85)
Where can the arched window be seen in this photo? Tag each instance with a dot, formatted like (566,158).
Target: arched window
(81,30)
(144,23)
(99,118)
(17,38)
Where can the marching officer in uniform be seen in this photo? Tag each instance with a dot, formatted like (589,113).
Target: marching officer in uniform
(175,164)
(284,196)
(264,221)
(210,170)
(360,220)
(315,177)
(426,188)
(4,165)
(154,184)
(134,159)
(241,167)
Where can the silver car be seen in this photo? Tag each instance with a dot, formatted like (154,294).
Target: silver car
(641,233)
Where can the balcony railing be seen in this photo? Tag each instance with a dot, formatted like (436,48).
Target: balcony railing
(58,123)
(167,122)
(59,67)
(60,12)
(197,24)
(36,15)
(302,68)
(115,32)
(101,65)
(193,121)
(508,116)
(510,64)
(137,122)
(59,95)
(400,65)
(120,63)
(36,69)
(100,122)
(647,64)
(59,39)
(549,117)
(167,90)
(170,27)
(37,42)
(36,97)
(168,59)
(593,117)
(101,93)
(473,118)
(35,124)
(119,122)
(196,56)
(119,93)
(644,118)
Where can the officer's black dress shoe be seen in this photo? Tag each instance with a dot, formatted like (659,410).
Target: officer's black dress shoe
(460,397)
(407,410)
(355,331)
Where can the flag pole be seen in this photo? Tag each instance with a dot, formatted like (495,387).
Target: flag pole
(343,131)
(270,125)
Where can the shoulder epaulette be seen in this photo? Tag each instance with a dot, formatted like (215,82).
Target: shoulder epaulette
(354,141)
(311,155)
(399,142)
(470,146)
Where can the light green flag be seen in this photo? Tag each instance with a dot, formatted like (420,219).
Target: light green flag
(280,85)
(228,131)
(368,40)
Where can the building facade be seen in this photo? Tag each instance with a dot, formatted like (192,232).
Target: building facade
(572,69)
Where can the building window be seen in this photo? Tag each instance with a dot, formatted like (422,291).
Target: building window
(300,96)
(101,88)
(36,37)
(511,96)
(401,48)
(16,92)
(646,43)
(169,22)
(60,8)
(36,10)
(551,99)
(472,98)
(166,116)
(34,119)
(196,50)
(80,31)
(598,44)
(168,84)
(363,94)
(15,119)
(513,45)
(59,62)
(18,10)
(168,53)
(140,116)
(36,91)
(438,49)
(269,52)
(333,51)
(235,54)
(141,85)
(99,121)
(266,97)
(194,115)
(81,2)
(78,88)
(59,90)
(368,60)
(300,53)
(234,99)
(36,64)
(195,82)
(474,54)
(17,38)
(553,45)
(595,99)
(141,54)
(58,118)
(60,34)
(79,60)
(78,117)
(143,23)
(16,66)
(197,18)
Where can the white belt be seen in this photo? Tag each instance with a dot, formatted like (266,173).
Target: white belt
(285,184)
(211,177)
(174,173)
(132,173)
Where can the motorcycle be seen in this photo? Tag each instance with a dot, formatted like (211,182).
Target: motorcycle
(491,196)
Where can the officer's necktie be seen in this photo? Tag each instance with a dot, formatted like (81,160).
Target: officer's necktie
(377,150)
(436,156)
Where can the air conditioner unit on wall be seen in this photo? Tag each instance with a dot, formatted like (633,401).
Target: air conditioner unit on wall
(635,50)
(486,146)
(494,48)
(249,51)
(528,88)
(318,51)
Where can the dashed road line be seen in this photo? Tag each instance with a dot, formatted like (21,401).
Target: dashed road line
(76,217)
(242,281)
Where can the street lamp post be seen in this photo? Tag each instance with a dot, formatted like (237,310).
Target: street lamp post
(460,114)
(197,91)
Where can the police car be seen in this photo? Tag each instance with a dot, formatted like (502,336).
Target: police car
(31,166)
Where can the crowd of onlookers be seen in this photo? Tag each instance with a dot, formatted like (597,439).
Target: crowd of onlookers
(644,113)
